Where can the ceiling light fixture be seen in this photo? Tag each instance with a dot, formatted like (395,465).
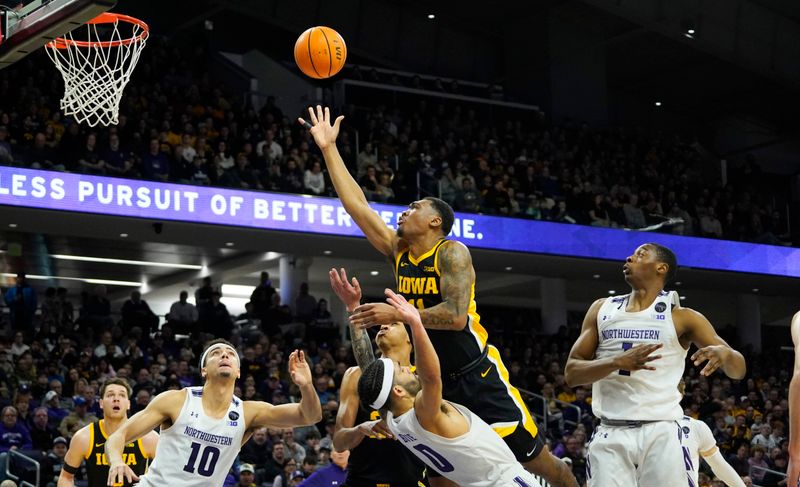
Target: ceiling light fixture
(229,244)
(596,276)
(12,225)
(431,16)
(612,292)
(146,263)
(755,289)
(658,103)
(123,235)
(374,273)
(327,252)
(110,282)
(508,267)
(237,290)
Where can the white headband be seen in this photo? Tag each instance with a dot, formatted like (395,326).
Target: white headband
(214,347)
(386,387)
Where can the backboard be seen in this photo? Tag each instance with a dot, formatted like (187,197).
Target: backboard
(40,21)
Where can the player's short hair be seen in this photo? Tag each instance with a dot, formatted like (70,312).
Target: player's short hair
(445,211)
(116,381)
(667,256)
(211,344)
(370,384)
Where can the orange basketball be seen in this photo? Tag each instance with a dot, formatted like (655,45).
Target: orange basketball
(320,52)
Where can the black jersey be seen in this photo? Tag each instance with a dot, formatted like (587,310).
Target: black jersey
(419,281)
(97,464)
(380,462)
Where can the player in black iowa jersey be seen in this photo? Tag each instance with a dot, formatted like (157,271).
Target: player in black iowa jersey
(376,460)
(89,442)
(436,274)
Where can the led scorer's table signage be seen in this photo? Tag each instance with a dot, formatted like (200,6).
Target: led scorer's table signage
(299,213)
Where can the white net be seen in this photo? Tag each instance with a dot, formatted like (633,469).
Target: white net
(97,67)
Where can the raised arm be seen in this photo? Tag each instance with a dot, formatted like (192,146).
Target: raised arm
(712,347)
(379,235)
(427,405)
(164,407)
(794,409)
(582,366)
(308,411)
(350,295)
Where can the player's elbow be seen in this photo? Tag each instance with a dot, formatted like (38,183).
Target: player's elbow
(571,377)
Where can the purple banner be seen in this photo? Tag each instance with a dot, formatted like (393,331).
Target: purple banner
(300,213)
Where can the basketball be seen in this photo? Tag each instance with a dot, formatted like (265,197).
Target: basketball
(320,52)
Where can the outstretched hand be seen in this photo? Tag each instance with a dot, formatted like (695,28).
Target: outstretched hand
(638,357)
(322,130)
(299,369)
(714,354)
(350,294)
(120,473)
(407,311)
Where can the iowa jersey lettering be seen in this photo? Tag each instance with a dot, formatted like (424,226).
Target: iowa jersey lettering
(97,463)
(128,458)
(418,285)
(419,281)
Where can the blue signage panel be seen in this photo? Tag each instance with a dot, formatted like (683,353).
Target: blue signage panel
(300,213)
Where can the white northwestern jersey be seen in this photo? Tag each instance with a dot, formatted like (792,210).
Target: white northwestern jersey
(696,437)
(643,395)
(478,458)
(197,451)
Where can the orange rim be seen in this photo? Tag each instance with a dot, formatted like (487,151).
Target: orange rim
(105,18)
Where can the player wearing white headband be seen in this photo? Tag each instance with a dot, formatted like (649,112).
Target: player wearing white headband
(203,428)
(448,437)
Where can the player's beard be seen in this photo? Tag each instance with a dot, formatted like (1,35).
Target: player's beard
(412,386)
(225,374)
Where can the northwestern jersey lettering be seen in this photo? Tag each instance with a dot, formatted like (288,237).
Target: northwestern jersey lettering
(97,464)
(643,395)
(478,458)
(368,465)
(419,281)
(197,451)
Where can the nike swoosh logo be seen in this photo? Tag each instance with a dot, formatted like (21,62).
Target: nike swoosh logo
(530,452)
(404,264)
(98,445)
(484,374)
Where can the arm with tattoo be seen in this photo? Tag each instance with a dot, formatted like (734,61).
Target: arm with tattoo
(362,346)
(458,277)
(349,292)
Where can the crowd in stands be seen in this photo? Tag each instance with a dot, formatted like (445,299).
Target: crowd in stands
(52,365)
(177,124)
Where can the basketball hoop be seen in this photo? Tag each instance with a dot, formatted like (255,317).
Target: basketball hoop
(96,70)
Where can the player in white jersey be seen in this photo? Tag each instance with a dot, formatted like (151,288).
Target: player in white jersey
(448,437)
(793,474)
(698,441)
(635,391)
(203,428)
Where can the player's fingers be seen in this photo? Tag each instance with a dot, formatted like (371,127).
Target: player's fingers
(650,358)
(363,307)
(320,114)
(338,122)
(327,113)
(356,284)
(343,274)
(313,116)
(301,356)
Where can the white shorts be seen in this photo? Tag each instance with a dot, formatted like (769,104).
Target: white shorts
(645,456)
